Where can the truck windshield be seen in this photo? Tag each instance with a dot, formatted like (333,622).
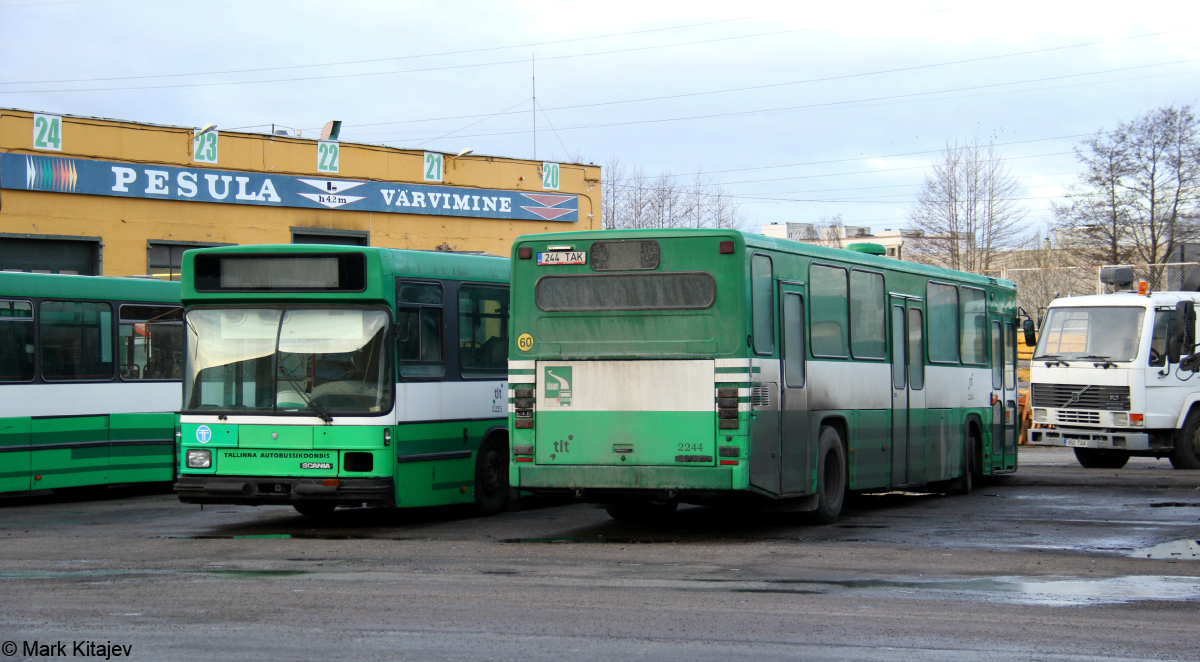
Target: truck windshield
(1107,333)
(272,360)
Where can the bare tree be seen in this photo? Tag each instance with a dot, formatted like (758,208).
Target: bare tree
(830,231)
(1138,196)
(634,200)
(968,209)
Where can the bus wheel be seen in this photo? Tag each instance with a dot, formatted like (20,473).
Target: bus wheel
(1186,454)
(491,477)
(1095,458)
(642,510)
(831,477)
(315,508)
(964,483)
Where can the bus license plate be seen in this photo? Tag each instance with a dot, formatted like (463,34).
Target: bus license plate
(1075,443)
(562,257)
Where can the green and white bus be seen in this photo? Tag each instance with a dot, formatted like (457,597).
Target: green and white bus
(650,368)
(325,376)
(89,381)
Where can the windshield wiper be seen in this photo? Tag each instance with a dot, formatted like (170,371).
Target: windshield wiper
(317,409)
(1105,361)
(1057,360)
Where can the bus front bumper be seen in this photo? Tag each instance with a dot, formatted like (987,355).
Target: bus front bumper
(1085,438)
(574,478)
(283,491)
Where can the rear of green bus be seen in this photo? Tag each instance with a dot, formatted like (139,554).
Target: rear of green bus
(629,366)
(288,391)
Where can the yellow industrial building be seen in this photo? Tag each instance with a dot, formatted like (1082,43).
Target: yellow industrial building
(116,198)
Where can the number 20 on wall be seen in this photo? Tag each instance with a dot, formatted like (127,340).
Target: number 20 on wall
(47,132)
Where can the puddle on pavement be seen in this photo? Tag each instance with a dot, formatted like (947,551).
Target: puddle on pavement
(1045,591)
(1176,550)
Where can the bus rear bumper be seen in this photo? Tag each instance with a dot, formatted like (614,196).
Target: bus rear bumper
(1085,438)
(624,479)
(283,491)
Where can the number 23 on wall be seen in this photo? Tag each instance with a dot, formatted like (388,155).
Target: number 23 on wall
(47,132)
(204,147)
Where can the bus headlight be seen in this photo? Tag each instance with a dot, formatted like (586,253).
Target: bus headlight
(1039,416)
(199,459)
(1121,418)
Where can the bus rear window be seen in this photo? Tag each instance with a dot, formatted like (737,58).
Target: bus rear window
(695,290)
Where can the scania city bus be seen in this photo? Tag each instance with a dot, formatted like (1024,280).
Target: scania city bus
(650,368)
(326,376)
(89,381)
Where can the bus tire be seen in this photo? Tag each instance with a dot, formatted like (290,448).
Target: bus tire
(831,476)
(315,508)
(491,477)
(644,511)
(1096,458)
(966,479)
(1186,454)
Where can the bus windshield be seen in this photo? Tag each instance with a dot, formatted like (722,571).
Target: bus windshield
(275,360)
(1103,333)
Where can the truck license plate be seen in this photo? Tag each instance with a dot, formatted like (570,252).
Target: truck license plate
(1075,443)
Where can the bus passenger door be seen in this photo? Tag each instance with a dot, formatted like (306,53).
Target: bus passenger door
(908,450)
(795,444)
(899,393)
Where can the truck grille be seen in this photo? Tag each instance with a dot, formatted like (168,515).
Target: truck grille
(1079,396)
(1085,417)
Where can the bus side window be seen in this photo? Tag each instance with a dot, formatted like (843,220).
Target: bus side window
(150,342)
(483,330)
(419,328)
(76,340)
(16,341)
(763,304)
(793,340)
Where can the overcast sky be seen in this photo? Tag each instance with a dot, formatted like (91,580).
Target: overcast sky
(801,109)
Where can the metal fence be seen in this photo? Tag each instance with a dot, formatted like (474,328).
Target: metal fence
(1037,287)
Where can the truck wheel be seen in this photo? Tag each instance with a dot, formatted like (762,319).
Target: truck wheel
(1186,454)
(1095,458)
(831,476)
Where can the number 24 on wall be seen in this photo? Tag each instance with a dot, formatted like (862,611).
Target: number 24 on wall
(47,132)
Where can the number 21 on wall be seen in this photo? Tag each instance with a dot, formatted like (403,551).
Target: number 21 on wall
(47,132)
(327,156)
(433,167)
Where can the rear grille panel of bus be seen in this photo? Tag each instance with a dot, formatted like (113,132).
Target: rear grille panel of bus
(1077,396)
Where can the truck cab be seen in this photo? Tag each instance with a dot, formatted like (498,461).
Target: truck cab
(1111,378)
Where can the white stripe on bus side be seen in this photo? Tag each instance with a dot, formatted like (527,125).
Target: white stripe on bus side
(89,399)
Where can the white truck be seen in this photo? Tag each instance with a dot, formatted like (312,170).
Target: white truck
(1114,375)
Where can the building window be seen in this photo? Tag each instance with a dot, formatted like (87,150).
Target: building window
(50,254)
(330,236)
(164,259)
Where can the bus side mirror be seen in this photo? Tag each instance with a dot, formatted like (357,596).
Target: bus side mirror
(1030,335)
(1184,337)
